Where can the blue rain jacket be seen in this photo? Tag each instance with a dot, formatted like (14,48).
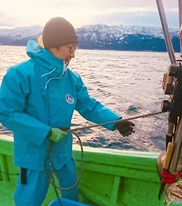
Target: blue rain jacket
(40,94)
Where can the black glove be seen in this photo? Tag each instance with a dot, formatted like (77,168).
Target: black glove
(125,127)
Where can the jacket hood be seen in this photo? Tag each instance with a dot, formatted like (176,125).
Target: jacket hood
(45,58)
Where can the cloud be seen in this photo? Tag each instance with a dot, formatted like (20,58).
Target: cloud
(137,16)
(83,12)
(10,21)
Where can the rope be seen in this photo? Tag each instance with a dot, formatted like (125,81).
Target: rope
(87,127)
(105,123)
(51,180)
(169,178)
(49,155)
(51,147)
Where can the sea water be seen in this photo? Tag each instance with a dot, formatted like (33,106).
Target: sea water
(129,83)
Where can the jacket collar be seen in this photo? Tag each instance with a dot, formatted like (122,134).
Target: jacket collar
(45,58)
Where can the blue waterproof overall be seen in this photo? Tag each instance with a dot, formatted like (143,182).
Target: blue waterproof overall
(35,96)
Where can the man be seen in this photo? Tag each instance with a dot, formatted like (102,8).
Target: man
(37,100)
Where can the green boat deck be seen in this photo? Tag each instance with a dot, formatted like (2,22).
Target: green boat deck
(111,177)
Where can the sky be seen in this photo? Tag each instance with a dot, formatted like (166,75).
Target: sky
(15,13)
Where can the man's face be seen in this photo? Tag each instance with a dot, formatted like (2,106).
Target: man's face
(65,52)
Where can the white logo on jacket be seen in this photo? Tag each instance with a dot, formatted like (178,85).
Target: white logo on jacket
(69,99)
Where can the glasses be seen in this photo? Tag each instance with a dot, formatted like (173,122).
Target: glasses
(72,47)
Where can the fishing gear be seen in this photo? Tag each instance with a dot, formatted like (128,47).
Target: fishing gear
(172,86)
(49,173)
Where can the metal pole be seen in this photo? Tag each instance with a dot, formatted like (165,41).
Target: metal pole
(180,23)
(178,136)
(166,32)
(177,148)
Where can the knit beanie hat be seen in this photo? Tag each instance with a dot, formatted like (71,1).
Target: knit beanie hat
(58,31)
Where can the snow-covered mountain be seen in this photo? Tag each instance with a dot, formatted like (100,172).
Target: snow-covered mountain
(100,36)
(20,35)
(121,37)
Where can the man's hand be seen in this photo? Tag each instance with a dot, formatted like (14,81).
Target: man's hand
(56,135)
(125,127)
